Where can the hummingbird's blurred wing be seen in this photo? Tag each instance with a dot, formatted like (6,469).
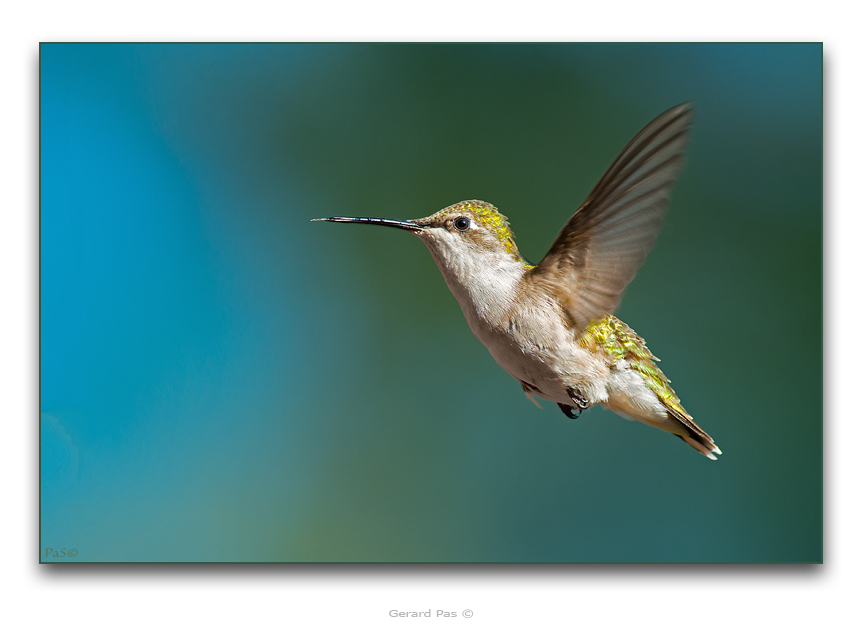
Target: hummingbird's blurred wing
(604,243)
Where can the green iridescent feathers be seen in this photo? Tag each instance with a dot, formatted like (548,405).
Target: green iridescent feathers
(489,217)
(613,337)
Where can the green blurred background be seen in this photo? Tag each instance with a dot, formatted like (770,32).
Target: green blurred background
(224,380)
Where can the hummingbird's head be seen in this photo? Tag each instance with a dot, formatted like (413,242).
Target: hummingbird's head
(466,229)
(469,226)
(473,247)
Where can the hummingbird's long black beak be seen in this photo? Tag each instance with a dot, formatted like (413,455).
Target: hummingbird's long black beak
(380,221)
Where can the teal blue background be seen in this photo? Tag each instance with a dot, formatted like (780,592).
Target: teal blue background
(224,380)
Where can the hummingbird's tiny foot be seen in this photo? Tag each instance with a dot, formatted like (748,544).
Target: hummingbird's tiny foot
(580,401)
(568,412)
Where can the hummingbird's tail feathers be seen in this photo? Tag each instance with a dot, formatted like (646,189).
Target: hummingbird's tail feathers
(700,447)
(695,436)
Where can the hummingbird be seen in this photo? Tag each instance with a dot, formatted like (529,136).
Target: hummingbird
(551,325)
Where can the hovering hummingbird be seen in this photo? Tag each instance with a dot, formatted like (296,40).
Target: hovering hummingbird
(551,325)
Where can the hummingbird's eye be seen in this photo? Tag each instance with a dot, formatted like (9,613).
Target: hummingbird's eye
(461,223)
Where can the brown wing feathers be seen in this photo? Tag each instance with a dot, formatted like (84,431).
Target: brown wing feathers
(604,243)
